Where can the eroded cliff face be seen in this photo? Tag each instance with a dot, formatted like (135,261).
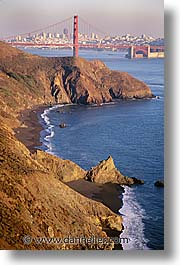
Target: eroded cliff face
(106,172)
(35,202)
(66,170)
(92,82)
(63,80)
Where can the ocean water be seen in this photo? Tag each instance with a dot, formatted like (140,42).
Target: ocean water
(130,131)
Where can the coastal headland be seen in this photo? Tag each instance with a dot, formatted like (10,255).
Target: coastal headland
(43,195)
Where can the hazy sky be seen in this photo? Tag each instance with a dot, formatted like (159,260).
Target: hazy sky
(112,16)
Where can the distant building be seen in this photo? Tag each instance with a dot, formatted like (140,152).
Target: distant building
(49,35)
(64,36)
(19,38)
(93,35)
(44,35)
(57,35)
(65,31)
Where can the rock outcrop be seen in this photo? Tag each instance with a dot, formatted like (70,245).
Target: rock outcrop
(106,172)
(159,183)
(67,80)
(64,170)
(92,82)
(35,202)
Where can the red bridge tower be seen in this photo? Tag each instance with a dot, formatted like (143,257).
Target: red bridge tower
(75,37)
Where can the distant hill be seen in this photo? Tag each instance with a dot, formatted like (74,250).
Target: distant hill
(158,42)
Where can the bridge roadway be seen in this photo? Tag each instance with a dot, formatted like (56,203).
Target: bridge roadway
(81,45)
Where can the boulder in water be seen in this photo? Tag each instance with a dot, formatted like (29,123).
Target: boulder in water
(159,183)
(62,125)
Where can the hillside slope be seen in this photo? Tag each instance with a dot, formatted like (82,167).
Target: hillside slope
(68,80)
(34,200)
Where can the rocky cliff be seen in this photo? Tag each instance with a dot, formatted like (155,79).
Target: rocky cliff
(66,80)
(34,199)
(35,202)
(66,170)
(106,172)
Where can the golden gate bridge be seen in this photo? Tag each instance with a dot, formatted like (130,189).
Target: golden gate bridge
(74,32)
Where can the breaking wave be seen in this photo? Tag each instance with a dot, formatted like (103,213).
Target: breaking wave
(133,215)
(48,133)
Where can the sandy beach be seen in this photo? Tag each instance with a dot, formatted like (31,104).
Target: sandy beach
(29,134)
(109,194)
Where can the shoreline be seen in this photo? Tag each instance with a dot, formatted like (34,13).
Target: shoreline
(29,134)
(108,194)
(29,131)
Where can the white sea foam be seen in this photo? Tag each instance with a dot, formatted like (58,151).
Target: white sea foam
(102,104)
(132,221)
(46,140)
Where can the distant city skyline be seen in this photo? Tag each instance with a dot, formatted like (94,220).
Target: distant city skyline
(116,17)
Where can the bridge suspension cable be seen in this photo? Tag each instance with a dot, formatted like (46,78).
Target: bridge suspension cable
(65,25)
(87,28)
(53,28)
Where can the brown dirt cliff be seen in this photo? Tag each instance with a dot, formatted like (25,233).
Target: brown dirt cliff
(35,202)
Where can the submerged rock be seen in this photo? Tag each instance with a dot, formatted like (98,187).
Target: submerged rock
(159,183)
(138,181)
(62,125)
